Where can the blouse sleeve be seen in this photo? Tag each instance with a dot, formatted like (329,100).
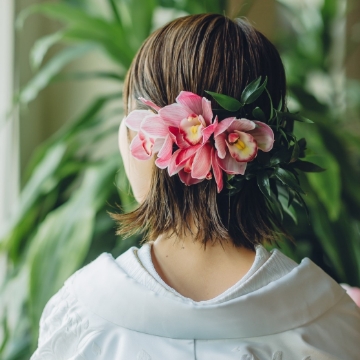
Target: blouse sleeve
(51,324)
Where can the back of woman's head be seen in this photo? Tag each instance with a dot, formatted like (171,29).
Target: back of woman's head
(198,53)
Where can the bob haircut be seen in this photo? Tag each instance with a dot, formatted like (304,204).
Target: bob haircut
(197,53)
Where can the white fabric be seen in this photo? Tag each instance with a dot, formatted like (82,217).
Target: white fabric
(294,313)
(272,271)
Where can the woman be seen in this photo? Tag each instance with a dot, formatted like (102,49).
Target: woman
(203,286)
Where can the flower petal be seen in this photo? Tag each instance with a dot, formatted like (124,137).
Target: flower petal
(223,125)
(150,104)
(178,138)
(154,126)
(158,144)
(162,163)
(141,147)
(202,162)
(135,118)
(220,145)
(173,114)
(231,166)
(185,154)
(191,101)
(208,131)
(244,149)
(207,112)
(187,179)
(218,174)
(173,167)
(166,148)
(241,125)
(164,155)
(263,135)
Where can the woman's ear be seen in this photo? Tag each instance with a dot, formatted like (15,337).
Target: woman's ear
(139,172)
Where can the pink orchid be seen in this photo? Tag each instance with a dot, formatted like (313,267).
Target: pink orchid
(237,142)
(188,125)
(353,292)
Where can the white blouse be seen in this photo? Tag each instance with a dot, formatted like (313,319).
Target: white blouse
(120,309)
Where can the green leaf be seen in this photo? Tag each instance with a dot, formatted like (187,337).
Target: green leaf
(82,27)
(271,106)
(226,102)
(253,91)
(293,116)
(295,153)
(263,182)
(137,24)
(82,75)
(115,10)
(279,157)
(327,185)
(42,46)
(52,68)
(307,166)
(288,209)
(250,88)
(288,178)
(259,114)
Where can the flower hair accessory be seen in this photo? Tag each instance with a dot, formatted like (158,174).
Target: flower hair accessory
(199,143)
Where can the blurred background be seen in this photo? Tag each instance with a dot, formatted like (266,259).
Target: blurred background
(62,66)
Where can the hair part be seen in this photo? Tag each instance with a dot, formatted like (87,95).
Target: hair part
(197,53)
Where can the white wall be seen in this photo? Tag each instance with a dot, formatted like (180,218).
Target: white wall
(9,134)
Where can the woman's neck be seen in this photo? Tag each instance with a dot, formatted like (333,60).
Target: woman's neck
(198,273)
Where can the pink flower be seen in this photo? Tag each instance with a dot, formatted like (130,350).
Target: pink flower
(204,147)
(237,142)
(151,133)
(353,292)
(186,123)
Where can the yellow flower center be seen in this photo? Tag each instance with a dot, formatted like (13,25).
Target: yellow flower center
(240,145)
(194,129)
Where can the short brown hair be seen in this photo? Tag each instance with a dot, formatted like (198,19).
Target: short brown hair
(197,53)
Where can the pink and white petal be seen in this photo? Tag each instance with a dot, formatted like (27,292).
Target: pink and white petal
(207,112)
(191,101)
(202,162)
(162,163)
(158,144)
(231,166)
(244,149)
(263,135)
(173,167)
(218,174)
(242,125)
(135,118)
(178,138)
(166,148)
(150,104)
(137,149)
(186,178)
(186,154)
(173,114)
(154,126)
(208,131)
(164,155)
(223,125)
(220,145)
